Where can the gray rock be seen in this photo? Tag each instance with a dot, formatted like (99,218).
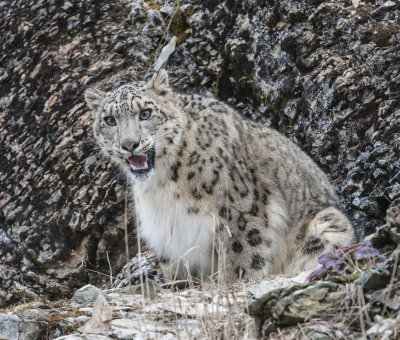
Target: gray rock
(167,9)
(95,337)
(321,332)
(149,289)
(78,336)
(75,336)
(101,316)
(308,303)
(3,74)
(384,329)
(375,278)
(9,326)
(381,9)
(154,17)
(367,204)
(394,191)
(67,88)
(15,328)
(188,324)
(384,297)
(88,294)
(67,5)
(294,303)
(267,293)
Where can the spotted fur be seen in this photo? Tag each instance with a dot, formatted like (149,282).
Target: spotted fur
(221,187)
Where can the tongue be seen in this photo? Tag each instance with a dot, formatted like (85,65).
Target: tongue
(138,160)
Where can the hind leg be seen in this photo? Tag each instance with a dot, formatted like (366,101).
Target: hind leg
(328,229)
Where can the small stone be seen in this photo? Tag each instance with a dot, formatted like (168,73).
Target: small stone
(290,109)
(67,88)
(367,204)
(149,289)
(88,294)
(167,9)
(349,187)
(45,256)
(42,14)
(54,198)
(154,17)
(378,173)
(137,329)
(119,47)
(96,337)
(321,332)
(82,318)
(383,328)
(189,323)
(67,5)
(391,300)
(394,191)
(374,278)
(75,336)
(381,9)
(377,152)
(3,74)
(101,314)
(341,23)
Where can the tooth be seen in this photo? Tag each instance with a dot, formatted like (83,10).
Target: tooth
(133,167)
(145,166)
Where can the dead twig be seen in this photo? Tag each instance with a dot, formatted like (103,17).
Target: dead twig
(390,286)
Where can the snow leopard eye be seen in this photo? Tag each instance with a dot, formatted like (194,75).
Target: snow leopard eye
(110,120)
(145,114)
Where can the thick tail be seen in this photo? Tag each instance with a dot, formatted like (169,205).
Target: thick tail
(328,229)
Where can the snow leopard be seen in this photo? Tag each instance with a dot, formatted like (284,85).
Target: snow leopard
(216,194)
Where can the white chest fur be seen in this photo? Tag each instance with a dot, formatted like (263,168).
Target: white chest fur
(173,232)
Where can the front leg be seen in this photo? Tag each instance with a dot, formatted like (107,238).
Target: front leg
(244,249)
(167,269)
(177,270)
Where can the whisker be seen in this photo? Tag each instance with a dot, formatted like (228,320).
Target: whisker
(163,135)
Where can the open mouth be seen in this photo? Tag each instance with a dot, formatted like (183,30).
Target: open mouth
(141,163)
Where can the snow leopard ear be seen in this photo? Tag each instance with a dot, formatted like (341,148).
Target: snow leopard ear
(94,98)
(160,82)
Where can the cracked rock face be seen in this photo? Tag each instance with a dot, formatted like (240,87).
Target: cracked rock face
(325,74)
(61,203)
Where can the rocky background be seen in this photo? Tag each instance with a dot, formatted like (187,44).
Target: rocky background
(324,73)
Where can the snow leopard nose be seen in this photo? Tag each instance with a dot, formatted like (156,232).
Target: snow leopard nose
(130,146)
